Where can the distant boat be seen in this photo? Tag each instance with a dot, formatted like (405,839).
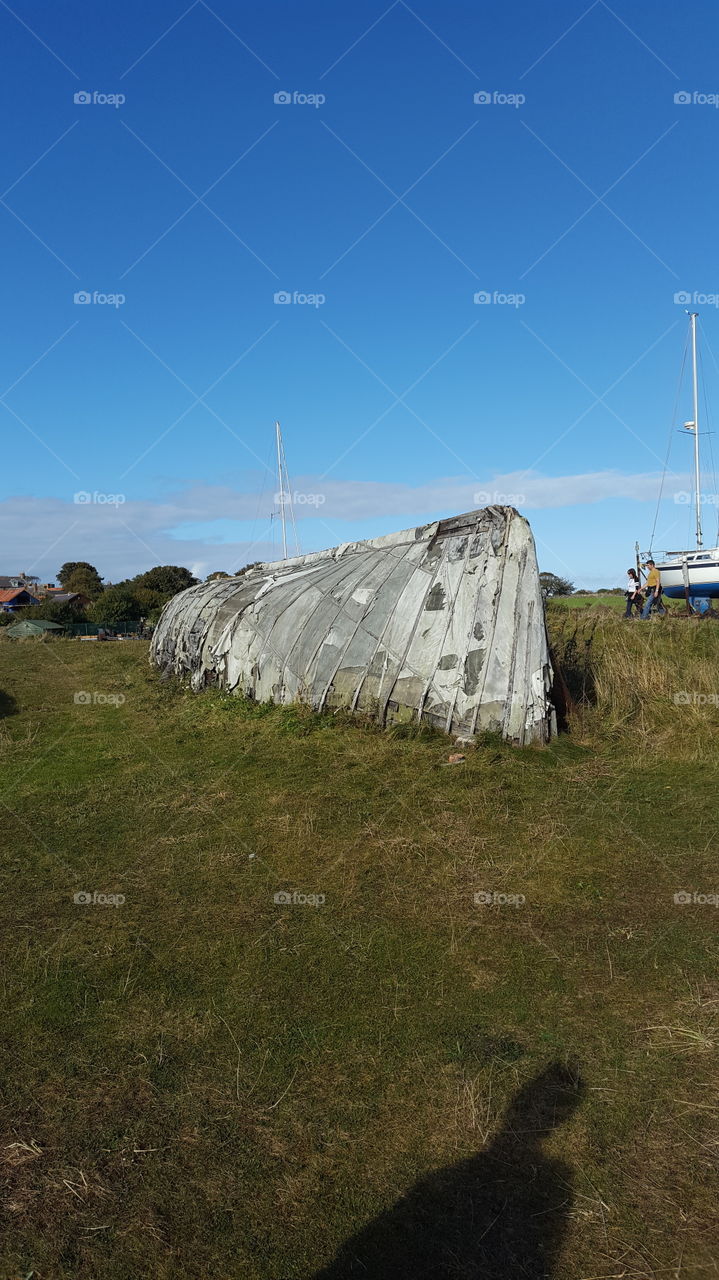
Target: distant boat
(443,623)
(694,574)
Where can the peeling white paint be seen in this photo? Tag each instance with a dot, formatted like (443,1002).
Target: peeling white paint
(444,623)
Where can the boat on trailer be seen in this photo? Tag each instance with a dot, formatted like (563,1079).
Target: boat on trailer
(692,575)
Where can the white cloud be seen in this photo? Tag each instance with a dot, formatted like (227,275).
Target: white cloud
(38,534)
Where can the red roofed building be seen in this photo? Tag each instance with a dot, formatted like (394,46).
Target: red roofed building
(12,598)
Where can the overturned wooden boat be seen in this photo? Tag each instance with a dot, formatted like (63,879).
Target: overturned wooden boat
(443,623)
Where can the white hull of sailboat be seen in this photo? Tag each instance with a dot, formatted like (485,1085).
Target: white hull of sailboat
(701,575)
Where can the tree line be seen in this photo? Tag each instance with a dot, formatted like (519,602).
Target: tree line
(143,596)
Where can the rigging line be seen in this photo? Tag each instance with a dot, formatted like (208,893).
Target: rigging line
(291,505)
(714,490)
(292,517)
(669,443)
(267,472)
(709,433)
(706,343)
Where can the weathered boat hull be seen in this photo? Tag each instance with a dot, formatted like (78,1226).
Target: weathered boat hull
(443,623)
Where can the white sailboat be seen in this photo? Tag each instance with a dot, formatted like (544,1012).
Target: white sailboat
(692,575)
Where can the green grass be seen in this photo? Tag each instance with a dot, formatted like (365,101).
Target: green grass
(616,603)
(203,1083)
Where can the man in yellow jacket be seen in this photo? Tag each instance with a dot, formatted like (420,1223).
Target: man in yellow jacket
(654,591)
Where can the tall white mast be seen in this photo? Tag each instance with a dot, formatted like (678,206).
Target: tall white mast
(697,472)
(281,491)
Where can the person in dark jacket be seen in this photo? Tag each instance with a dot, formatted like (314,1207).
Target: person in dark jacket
(633,592)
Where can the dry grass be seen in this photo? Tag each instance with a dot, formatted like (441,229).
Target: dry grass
(204,1083)
(657,681)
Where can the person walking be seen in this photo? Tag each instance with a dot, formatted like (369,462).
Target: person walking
(654,591)
(633,592)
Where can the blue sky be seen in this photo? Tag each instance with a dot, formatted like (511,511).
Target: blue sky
(391,203)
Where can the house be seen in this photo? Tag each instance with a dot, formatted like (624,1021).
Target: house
(27,580)
(75,598)
(12,598)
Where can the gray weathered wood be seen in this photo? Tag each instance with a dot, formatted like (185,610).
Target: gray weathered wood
(443,623)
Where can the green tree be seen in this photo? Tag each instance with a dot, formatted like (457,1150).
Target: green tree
(115,605)
(147,600)
(70,567)
(167,578)
(552,585)
(152,617)
(85,579)
(53,611)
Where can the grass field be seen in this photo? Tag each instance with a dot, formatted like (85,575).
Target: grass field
(616,603)
(395,1081)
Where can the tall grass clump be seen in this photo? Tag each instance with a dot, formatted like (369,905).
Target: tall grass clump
(657,680)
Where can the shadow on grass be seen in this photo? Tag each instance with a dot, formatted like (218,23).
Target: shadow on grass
(8,705)
(501,1215)
(573,660)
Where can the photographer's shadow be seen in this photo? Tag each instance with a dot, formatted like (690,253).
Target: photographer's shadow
(500,1215)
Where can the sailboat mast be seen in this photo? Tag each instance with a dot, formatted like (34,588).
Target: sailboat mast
(278,437)
(697,471)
